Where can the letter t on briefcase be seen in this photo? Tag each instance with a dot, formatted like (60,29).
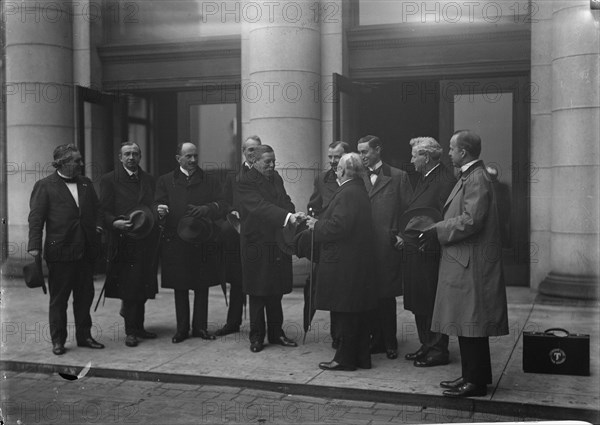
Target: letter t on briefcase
(556,351)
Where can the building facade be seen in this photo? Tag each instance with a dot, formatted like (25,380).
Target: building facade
(301,74)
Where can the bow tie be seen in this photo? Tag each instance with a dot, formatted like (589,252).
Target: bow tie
(371,172)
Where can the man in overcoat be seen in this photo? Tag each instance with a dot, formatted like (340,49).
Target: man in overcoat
(471,297)
(189,191)
(389,190)
(345,286)
(131,269)
(231,244)
(265,210)
(325,185)
(421,268)
(65,203)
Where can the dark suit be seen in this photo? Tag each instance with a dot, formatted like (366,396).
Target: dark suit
(70,248)
(389,197)
(267,270)
(132,268)
(345,287)
(325,185)
(421,268)
(232,256)
(186,266)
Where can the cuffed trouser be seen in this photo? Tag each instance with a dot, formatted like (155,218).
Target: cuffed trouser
(475,360)
(133,312)
(182,310)
(353,335)
(434,343)
(64,278)
(272,306)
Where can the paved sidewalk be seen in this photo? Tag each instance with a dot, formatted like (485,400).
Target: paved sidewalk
(25,346)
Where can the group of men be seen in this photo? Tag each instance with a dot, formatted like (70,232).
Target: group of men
(377,238)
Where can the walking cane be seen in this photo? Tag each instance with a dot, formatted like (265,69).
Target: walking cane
(310,279)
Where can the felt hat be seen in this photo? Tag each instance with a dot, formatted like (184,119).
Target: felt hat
(196,229)
(143,222)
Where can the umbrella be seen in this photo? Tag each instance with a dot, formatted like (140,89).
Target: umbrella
(309,288)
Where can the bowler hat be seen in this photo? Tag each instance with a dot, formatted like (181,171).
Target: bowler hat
(414,222)
(33,274)
(196,229)
(303,241)
(142,220)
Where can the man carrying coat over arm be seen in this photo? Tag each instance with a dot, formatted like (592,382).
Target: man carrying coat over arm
(346,244)
(265,210)
(187,200)
(471,297)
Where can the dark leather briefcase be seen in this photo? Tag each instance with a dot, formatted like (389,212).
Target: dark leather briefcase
(556,351)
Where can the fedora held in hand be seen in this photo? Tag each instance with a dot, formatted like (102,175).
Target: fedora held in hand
(33,274)
(196,229)
(141,220)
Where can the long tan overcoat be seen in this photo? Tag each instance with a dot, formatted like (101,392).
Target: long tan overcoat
(471,296)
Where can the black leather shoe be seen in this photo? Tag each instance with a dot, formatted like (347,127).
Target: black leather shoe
(467,390)
(452,384)
(333,365)
(227,329)
(204,334)
(417,355)
(256,346)
(90,343)
(430,361)
(131,341)
(144,334)
(58,348)
(285,342)
(391,354)
(179,337)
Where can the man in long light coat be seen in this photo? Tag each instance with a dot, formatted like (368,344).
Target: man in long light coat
(471,297)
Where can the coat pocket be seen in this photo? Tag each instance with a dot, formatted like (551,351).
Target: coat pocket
(459,254)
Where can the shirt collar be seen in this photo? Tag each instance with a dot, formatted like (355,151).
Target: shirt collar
(129,172)
(429,172)
(184,171)
(63,176)
(468,165)
(376,166)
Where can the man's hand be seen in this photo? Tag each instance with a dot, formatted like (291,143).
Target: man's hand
(399,243)
(34,252)
(122,225)
(310,222)
(198,211)
(427,239)
(236,214)
(163,210)
(297,218)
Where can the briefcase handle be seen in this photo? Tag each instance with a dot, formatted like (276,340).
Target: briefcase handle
(550,331)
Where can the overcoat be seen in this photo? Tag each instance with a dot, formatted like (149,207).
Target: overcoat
(346,245)
(325,185)
(70,230)
(187,265)
(471,296)
(131,271)
(389,198)
(263,206)
(420,269)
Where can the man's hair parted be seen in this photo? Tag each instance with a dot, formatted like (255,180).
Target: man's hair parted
(469,141)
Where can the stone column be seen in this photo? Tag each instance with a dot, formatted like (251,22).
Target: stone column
(281,55)
(575,152)
(39,75)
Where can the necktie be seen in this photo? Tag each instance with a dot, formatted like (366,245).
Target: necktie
(134,177)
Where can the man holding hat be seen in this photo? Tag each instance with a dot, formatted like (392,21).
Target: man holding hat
(265,210)
(421,268)
(470,301)
(187,201)
(126,197)
(65,203)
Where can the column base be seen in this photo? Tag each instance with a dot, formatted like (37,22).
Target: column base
(570,286)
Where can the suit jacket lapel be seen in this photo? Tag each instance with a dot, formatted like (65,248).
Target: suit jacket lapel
(63,191)
(383,179)
(455,190)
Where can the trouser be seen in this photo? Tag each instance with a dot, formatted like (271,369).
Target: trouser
(236,304)
(272,306)
(64,277)
(353,335)
(385,326)
(475,360)
(434,343)
(182,310)
(133,313)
